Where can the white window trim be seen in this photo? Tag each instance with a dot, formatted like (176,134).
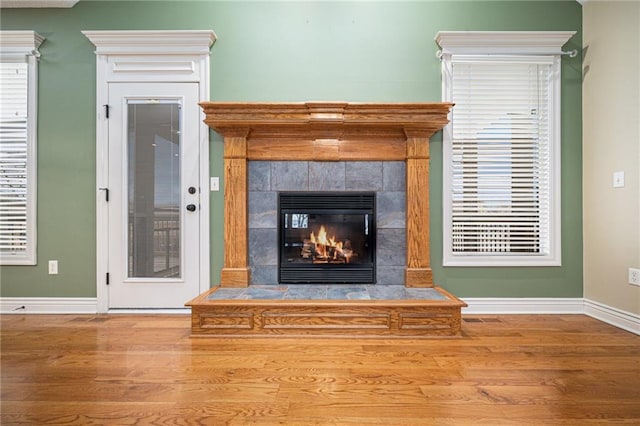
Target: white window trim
(21,45)
(509,43)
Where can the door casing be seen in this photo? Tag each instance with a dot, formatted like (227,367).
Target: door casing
(145,56)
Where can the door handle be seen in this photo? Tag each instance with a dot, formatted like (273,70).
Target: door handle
(191,207)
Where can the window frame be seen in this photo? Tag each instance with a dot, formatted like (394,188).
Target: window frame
(17,46)
(509,44)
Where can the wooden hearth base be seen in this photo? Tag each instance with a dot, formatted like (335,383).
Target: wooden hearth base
(326,318)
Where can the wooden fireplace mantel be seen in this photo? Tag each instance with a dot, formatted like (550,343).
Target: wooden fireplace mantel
(325,131)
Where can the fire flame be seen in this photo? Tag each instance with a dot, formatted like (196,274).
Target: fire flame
(322,243)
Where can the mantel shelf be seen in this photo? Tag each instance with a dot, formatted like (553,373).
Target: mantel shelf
(297,119)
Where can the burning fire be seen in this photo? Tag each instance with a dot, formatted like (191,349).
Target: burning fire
(326,250)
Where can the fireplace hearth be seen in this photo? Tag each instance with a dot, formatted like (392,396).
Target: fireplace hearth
(326,238)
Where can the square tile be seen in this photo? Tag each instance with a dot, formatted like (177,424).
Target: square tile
(259,178)
(391,247)
(326,176)
(264,275)
(387,275)
(363,176)
(342,292)
(263,247)
(289,175)
(391,210)
(227,294)
(387,292)
(263,209)
(306,292)
(394,176)
(265,292)
(424,294)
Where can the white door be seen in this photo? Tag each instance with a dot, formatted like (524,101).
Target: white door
(153,195)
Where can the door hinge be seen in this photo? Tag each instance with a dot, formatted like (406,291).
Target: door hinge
(106,193)
(107,278)
(106,110)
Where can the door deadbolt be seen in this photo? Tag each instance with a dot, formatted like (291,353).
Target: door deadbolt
(192,190)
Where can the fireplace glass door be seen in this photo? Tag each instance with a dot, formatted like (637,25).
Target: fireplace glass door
(327,238)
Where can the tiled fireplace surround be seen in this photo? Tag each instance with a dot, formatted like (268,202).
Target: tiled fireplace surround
(386,178)
(380,147)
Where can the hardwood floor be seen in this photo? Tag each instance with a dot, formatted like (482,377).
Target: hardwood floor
(142,370)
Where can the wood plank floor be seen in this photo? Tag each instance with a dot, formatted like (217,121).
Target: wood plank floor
(143,370)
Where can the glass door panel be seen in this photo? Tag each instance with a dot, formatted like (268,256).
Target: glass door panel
(154,185)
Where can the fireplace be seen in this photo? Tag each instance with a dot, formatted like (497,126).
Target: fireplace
(326,238)
(325,132)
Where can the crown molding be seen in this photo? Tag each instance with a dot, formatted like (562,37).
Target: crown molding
(140,42)
(13,4)
(20,42)
(503,42)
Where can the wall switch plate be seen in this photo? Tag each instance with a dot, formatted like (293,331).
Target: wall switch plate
(634,276)
(53,267)
(215,183)
(618,179)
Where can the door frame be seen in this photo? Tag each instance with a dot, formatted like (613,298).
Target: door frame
(137,57)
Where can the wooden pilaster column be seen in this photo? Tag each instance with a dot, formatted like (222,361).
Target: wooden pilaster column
(235,271)
(418,272)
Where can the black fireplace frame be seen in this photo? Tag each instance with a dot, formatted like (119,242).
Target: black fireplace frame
(317,203)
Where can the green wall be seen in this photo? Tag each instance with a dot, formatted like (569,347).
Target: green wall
(278,51)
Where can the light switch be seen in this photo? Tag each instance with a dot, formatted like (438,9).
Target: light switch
(618,179)
(215,183)
(53,267)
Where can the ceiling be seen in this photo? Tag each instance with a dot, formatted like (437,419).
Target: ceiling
(71,3)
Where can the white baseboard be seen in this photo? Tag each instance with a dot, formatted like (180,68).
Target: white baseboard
(477,306)
(151,311)
(516,305)
(616,317)
(48,305)
(69,305)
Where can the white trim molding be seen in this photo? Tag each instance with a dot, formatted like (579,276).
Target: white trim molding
(625,320)
(153,311)
(503,42)
(48,305)
(145,56)
(158,42)
(20,42)
(498,48)
(517,305)
(476,306)
(553,306)
(5,4)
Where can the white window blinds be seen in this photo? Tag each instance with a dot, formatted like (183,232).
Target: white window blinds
(501,149)
(16,158)
(500,156)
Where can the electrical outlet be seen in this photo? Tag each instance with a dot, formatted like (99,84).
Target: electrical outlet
(53,267)
(634,276)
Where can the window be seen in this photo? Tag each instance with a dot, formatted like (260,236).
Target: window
(502,148)
(18,95)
